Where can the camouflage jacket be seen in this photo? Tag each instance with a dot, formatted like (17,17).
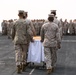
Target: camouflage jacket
(50,34)
(20,32)
(31,26)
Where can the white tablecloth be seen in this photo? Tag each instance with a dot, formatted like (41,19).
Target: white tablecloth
(36,52)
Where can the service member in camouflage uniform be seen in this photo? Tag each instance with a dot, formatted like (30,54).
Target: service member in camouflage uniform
(29,23)
(62,23)
(57,22)
(36,25)
(4,27)
(50,38)
(71,28)
(9,27)
(65,28)
(74,26)
(20,31)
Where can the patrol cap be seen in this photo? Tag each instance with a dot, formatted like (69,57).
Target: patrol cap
(51,15)
(53,10)
(21,11)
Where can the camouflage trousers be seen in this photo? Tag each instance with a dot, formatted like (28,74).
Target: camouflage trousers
(4,31)
(61,32)
(21,54)
(65,31)
(51,56)
(71,31)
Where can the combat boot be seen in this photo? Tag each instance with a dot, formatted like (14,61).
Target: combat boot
(49,71)
(23,67)
(18,69)
(53,69)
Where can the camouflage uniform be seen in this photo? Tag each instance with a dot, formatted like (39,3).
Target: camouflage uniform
(9,27)
(59,25)
(36,26)
(20,32)
(74,25)
(62,24)
(71,28)
(4,27)
(30,23)
(40,25)
(50,38)
(65,27)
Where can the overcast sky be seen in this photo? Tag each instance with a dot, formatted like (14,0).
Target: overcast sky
(37,9)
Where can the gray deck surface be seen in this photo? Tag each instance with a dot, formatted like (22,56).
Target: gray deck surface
(66,64)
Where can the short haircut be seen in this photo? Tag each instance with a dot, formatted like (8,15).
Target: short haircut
(51,19)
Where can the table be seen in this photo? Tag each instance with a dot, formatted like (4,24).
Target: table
(36,51)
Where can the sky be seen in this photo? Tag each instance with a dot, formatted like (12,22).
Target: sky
(37,9)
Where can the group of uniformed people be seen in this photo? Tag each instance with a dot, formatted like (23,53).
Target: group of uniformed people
(21,31)
(7,26)
(37,25)
(67,27)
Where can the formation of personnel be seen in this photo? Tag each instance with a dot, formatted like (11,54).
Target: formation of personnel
(66,27)
(37,25)
(21,31)
(4,27)
(7,26)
